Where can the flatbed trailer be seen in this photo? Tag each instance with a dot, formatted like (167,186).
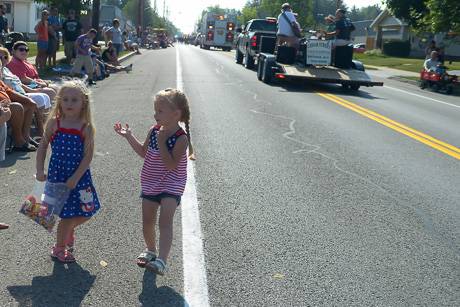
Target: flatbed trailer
(269,70)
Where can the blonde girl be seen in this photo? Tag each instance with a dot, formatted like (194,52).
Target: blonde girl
(164,173)
(70,132)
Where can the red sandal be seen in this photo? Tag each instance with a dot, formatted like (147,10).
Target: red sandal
(70,242)
(62,255)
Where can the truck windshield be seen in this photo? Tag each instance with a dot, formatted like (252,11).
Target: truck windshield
(263,25)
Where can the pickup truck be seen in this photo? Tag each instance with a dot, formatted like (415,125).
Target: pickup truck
(258,35)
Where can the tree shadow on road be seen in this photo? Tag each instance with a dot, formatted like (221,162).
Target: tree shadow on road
(66,286)
(151,295)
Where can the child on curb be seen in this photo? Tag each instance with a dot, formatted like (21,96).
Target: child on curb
(164,173)
(70,132)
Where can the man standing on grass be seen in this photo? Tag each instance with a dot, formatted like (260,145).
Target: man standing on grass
(83,46)
(71,29)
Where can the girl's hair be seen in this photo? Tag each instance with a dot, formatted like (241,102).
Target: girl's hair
(7,53)
(86,116)
(178,99)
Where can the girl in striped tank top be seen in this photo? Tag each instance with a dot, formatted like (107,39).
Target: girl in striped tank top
(164,173)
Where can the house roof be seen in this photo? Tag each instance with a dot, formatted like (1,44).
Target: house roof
(391,20)
(363,28)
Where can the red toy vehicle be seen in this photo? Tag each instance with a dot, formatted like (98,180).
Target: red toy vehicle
(439,80)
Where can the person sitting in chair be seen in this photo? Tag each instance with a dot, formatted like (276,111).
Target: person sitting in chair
(432,63)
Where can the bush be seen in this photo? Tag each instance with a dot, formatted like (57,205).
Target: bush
(397,48)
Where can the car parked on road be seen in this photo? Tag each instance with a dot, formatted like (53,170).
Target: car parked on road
(258,35)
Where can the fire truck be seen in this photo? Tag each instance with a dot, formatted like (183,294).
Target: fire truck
(217,31)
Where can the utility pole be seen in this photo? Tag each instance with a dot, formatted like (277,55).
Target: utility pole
(95,17)
(140,16)
(164,9)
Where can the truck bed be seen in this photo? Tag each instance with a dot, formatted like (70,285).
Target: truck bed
(329,74)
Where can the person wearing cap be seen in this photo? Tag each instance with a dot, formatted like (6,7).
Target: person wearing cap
(343,29)
(285,34)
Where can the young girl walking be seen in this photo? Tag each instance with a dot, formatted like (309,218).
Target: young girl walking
(70,132)
(163,174)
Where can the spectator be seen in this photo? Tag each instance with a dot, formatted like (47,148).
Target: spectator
(40,98)
(432,63)
(114,34)
(105,61)
(27,72)
(83,45)
(5,115)
(54,25)
(430,48)
(285,34)
(129,44)
(71,29)
(42,40)
(104,33)
(4,30)
(21,117)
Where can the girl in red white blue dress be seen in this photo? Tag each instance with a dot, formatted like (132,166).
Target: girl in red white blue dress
(70,132)
(164,173)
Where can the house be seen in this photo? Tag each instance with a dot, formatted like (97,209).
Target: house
(23,15)
(363,33)
(388,27)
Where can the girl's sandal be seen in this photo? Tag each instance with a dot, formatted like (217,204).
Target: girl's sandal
(145,257)
(157,266)
(62,255)
(70,243)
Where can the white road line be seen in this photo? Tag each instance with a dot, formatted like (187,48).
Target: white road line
(425,97)
(195,281)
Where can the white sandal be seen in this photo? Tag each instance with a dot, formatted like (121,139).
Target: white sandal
(157,266)
(145,257)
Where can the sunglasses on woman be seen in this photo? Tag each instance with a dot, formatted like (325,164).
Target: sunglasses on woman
(23,49)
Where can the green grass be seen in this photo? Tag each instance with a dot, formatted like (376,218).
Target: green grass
(32,49)
(407,64)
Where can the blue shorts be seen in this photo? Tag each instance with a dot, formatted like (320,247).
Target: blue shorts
(42,45)
(157,198)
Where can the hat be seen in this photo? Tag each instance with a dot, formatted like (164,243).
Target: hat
(285,6)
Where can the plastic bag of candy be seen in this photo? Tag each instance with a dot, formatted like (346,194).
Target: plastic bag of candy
(45,203)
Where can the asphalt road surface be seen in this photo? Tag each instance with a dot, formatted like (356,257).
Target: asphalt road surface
(307,196)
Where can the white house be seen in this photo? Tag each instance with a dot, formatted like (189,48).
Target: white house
(22,15)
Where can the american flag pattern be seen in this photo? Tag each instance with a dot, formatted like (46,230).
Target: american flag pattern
(155,177)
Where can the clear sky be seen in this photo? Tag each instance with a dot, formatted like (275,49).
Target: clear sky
(185,13)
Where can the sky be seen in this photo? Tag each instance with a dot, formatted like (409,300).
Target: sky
(185,13)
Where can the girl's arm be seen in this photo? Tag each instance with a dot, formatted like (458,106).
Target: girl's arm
(51,126)
(172,159)
(87,158)
(139,148)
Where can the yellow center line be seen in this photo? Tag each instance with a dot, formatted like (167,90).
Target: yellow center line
(410,132)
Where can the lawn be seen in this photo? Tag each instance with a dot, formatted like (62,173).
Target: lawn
(408,64)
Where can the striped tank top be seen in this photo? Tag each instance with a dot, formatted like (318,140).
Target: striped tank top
(155,177)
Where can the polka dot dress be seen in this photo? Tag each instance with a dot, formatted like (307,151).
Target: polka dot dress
(67,151)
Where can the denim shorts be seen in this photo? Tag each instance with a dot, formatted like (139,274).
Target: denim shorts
(157,198)
(42,45)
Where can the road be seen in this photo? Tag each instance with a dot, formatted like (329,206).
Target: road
(307,196)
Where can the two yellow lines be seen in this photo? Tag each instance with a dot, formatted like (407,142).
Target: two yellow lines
(412,133)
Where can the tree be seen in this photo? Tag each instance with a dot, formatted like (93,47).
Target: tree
(65,5)
(428,15)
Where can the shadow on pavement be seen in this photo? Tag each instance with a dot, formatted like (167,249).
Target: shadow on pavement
(66,286)
(12,158)
(164,296)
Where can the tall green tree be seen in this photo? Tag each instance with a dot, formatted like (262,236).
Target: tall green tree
(428,15)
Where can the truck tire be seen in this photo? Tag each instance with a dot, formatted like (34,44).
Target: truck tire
(260,68)
(248,60)
(354,87)
(238,56)
(267,72)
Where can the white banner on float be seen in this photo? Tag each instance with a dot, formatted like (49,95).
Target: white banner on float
(319,52)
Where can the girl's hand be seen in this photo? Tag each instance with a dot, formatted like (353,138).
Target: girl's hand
(71,183)
(123,131)
(162,136)
(40,176)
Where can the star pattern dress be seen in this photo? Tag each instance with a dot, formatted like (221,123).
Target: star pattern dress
(67,151)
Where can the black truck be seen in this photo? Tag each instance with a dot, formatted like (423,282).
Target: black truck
(258,35)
